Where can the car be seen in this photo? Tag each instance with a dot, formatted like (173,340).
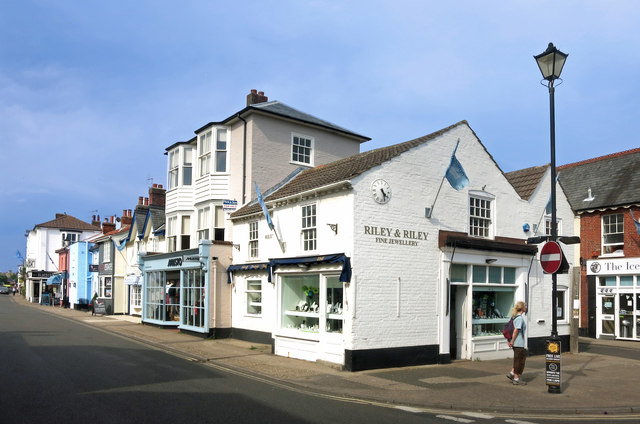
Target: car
(5,290)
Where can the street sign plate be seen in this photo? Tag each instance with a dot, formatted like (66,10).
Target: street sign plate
(551,257)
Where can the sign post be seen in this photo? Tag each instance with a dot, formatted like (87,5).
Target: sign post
(551,260)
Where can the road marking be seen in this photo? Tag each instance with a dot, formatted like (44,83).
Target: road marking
(478,415)
(519,422)
(410,409)
(456,419)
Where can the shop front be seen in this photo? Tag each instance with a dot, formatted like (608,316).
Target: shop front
(188,289)
(36,284)
(133,284)
(617,305)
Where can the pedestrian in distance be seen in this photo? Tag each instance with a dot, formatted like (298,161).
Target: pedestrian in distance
(517,343)
(93,303)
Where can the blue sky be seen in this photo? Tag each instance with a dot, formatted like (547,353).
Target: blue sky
(91,93)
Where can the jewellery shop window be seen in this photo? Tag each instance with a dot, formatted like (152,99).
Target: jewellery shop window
(311,303)
(493,297)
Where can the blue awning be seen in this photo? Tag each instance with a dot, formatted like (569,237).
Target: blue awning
(55,279)
(263,266)
(345,275)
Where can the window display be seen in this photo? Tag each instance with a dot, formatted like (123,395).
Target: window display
(193,307)
(490,310)
(312,303)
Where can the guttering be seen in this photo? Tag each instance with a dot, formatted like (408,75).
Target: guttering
(244,159)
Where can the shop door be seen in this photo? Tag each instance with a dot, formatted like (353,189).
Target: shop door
(459,323)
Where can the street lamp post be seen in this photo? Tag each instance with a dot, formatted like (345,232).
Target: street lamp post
(551,62)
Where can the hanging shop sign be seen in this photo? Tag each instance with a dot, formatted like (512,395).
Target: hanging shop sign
(395,236)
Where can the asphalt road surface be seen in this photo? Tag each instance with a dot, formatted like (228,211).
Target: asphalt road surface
(59,370)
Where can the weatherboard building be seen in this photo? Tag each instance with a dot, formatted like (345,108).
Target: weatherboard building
(376,260)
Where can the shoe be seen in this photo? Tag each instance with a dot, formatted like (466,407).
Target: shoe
(510,376)
(519,382)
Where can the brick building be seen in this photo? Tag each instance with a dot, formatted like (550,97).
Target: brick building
(604,193)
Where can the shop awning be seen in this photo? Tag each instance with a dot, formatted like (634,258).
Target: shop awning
(55,279)
(133,279)
(263,266)
(345,275)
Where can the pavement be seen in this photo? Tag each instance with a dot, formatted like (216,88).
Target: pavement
(600,380)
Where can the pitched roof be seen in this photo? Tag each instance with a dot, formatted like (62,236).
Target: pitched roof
(67,222)
(340,170)
(525,181)
(614,181)
(280,109)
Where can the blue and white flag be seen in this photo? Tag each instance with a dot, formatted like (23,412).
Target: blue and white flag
(455,172)
(264,207)
(635,222)
(19,255)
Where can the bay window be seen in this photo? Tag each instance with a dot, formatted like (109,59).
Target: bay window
(204,153)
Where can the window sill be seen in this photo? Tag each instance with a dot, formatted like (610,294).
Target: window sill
(306,165)
(619,254)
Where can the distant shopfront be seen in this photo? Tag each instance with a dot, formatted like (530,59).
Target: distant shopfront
(36,284)
(617,305)
(187,289)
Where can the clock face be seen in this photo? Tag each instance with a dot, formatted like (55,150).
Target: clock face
(381,191)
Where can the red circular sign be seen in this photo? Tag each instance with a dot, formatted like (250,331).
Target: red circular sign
(551,257)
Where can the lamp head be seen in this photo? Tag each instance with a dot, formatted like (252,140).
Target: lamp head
(551,62)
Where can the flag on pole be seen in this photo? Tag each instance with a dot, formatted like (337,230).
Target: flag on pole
(264,208)
(455,172)
(635,222)
(19,255)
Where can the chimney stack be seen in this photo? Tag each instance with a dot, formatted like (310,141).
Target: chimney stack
(126,218)
(157,196)
(256,96)
(107,226)
(96,221)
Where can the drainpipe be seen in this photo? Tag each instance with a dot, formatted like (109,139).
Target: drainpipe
(244,159)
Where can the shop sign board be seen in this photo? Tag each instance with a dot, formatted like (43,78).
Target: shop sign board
(553,365)
(551,257)
(618,266)
(99,308)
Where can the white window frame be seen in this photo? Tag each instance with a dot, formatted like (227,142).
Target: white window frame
(222,149)
(299,151)
(187,164)
(617,248)
(219,225)
(174,164)
(253,240)
(308,233)
(204,153)
(547,225)
(136,295)
(204,220)
(564,292)
(185,231)
(172,223)
(253,297)
(106,251)
(475,220)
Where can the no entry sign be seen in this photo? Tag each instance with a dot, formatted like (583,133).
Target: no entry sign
(551,257)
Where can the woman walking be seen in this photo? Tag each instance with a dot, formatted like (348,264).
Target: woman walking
(517,343)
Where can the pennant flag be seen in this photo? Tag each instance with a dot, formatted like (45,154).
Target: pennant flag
(264,208)
(635,222)
(455,172)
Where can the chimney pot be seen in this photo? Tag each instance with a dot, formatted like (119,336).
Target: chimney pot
(140,200)
(254,91)
(146,201)
(155,186)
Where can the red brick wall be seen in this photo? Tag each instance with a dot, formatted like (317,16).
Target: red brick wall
(591,245)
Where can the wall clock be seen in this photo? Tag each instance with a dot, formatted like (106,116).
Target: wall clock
(381,191)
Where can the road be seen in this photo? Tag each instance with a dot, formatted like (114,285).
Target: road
(59,370)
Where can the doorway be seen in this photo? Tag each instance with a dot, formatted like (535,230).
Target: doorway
(458,339)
